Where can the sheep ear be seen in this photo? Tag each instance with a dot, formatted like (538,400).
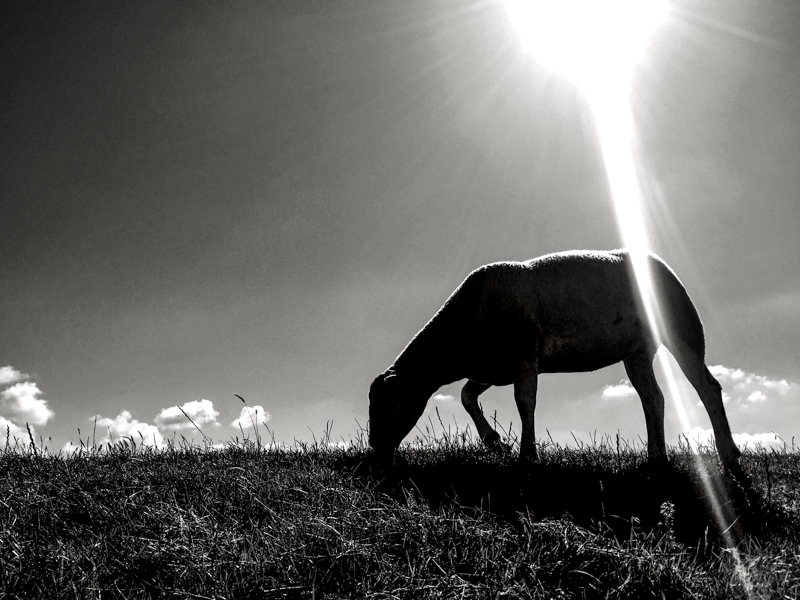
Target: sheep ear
(380,381)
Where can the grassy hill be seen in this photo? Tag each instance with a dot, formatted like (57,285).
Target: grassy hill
(450,521)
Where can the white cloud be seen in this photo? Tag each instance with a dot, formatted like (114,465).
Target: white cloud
(443,398)
(722,372)
(754,403)
(70,449)
(250,415)
(757,439)
(200,411)
(443,416)
(9,431)
(621,390)
(21,404)
(124,426)
(705,438)
(744,387)
(698,436)
(9,374)
(757,403)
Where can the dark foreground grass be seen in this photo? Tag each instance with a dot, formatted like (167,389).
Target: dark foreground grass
(454,521)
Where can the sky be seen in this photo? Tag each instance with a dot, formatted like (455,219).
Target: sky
(200,200)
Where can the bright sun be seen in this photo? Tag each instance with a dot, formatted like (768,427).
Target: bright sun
(591,41)
(597,43)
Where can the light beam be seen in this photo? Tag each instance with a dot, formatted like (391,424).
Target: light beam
(598,44)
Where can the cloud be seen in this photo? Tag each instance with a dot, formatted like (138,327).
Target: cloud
(443,416)
(705,438)
(744,387)
(757,403)
(9,374)
(443,398)
(70,449)
(754,404)
(9,431)
(250,415)
(200,411)
(21,404)
(754,440)
(124,426)
(621,390)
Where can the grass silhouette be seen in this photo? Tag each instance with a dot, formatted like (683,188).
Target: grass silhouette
(256,520)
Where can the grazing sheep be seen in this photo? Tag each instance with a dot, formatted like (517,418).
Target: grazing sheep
(565,312)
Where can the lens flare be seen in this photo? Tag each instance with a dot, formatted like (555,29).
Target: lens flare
(598,45)
(587,40)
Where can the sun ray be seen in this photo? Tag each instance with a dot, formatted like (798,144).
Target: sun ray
(598,45)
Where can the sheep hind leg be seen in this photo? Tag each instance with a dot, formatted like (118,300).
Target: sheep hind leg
(469,398)
(639,368)
(710,391)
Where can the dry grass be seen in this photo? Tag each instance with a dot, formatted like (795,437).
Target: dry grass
(454,521)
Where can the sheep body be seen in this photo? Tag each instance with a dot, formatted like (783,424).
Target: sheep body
(565,312)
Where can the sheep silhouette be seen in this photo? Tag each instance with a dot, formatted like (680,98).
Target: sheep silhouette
(571,311)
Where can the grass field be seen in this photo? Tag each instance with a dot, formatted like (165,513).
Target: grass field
(452,520)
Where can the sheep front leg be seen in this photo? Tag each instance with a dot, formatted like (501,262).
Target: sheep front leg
(525,396)
(469,398)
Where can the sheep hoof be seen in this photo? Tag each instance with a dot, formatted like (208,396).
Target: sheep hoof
(732,468)
(492,441)
(529,457)
(658,468)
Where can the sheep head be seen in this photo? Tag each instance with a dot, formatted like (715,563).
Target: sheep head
(395,406)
